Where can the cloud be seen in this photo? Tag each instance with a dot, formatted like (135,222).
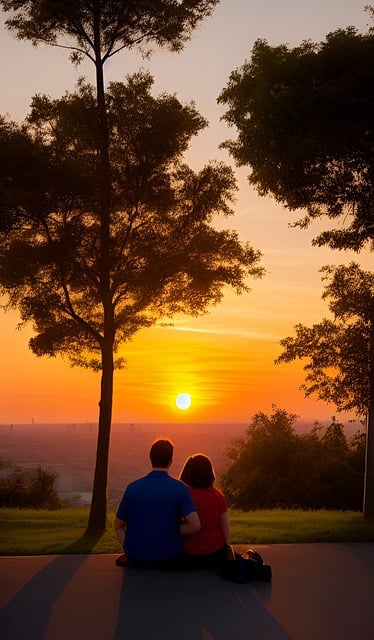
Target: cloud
(241,333)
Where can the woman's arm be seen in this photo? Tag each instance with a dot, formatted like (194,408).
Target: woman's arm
(191,524)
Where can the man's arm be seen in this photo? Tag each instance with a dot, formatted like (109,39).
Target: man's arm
(120,530)
(191,524)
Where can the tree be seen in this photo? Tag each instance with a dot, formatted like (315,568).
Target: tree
(274,467)
(340,353)
(97,30)
(165,255)
(305,128)
(334,479)
(262,472)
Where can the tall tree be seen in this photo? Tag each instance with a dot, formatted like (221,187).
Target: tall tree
(97,30)
(165,256)
(340,353)
(305,128)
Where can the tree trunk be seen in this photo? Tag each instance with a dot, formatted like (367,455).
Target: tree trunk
(369,457)
(98,511)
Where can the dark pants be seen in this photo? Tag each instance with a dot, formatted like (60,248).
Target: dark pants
(185,561)
(212,560)
(171,563)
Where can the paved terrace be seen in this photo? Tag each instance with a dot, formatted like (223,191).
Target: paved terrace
(318,592)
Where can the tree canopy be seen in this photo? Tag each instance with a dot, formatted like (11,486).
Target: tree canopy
(337,350)
(120,23)
(305,128)
(166,257)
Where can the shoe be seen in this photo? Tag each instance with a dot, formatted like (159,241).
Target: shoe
(122,561)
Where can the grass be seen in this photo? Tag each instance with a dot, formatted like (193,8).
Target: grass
(29,532)
(294,526)
(39,532)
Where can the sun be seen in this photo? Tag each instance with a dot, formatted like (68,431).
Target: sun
(183,401)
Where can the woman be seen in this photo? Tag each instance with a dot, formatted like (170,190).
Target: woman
(207,547)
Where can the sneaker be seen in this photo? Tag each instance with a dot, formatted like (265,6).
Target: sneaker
(122,561)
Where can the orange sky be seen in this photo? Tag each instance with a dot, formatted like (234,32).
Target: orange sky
(224,359)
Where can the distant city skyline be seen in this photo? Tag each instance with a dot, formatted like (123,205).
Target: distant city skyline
(224,360)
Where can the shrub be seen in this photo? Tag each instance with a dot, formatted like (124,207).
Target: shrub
(21,488)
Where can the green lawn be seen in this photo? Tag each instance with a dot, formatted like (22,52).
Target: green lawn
(29,532)
(279,525)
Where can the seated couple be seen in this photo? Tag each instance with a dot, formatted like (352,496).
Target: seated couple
(166,523)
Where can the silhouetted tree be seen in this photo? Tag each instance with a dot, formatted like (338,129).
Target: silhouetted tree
(97,30)
(340,353)
(165,254)
(305,128)
(333,466)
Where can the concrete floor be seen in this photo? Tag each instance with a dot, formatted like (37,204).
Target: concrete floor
(318,592)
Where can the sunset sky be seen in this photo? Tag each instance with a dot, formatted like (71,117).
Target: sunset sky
(224,360)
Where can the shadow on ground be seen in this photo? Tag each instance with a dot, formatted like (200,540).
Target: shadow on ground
(84,544)
(28,613)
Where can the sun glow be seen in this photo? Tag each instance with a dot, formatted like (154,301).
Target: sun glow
(183,401)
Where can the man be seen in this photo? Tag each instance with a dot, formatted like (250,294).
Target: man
(154,513)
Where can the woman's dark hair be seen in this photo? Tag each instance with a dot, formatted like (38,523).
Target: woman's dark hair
(161,453)
(198,471)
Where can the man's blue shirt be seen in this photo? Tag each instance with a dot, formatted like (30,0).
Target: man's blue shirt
(152,508)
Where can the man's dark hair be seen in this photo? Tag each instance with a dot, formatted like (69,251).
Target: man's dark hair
(161,453)
(198,472)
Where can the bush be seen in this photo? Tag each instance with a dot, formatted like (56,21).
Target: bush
(21,488)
